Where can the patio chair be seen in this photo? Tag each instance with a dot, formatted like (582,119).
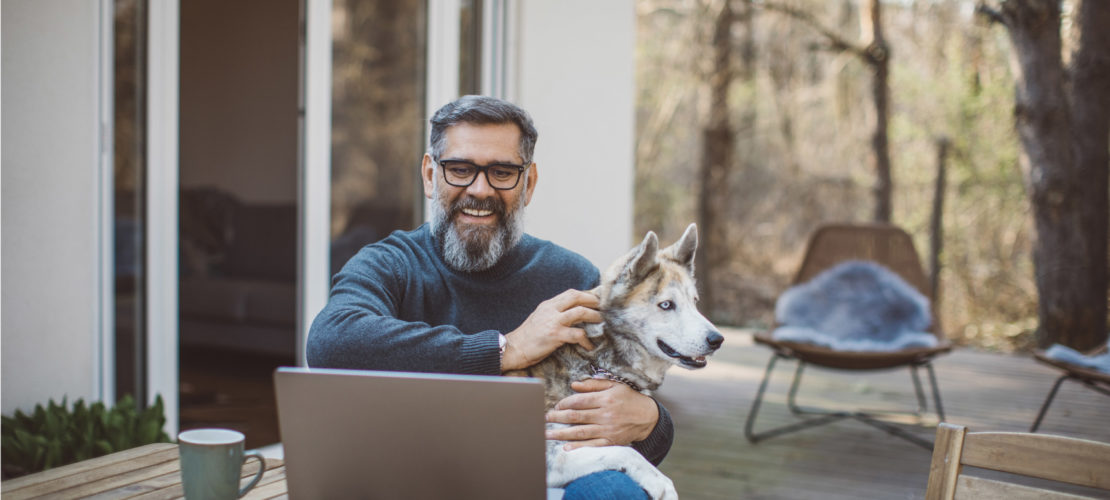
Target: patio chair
(1057,458)
(1092,379)
(829,246)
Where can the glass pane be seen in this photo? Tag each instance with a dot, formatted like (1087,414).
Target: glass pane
(377,121)
(239,77)
(129,178)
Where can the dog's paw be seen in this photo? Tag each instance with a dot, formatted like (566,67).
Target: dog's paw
(659,487)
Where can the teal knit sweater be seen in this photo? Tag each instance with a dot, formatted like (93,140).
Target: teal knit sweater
(397,306)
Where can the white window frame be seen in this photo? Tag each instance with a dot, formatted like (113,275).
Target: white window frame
(160,230)
(104,357)
(314,185)
(500,22)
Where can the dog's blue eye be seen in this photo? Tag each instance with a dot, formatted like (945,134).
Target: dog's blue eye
(666,305)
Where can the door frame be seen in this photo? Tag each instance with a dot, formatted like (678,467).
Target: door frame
(314,168)
(161,227)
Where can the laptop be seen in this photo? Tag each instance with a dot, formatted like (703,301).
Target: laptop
(398,435)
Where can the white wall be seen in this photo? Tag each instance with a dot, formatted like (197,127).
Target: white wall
(50,201)
(576,77)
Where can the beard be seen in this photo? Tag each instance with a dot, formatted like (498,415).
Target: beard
(472,248)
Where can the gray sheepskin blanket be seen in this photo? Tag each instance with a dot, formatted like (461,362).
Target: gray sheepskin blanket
(1099,362)
(855,306)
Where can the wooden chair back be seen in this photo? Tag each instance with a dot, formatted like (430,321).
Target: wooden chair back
(888,245)
(1056,458)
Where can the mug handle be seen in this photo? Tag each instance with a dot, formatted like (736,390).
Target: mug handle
(258,476)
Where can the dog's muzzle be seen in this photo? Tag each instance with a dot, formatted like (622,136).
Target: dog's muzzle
(713,340)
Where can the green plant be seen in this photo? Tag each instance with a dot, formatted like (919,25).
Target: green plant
(55,436)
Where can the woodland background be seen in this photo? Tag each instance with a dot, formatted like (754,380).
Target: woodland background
(800,111)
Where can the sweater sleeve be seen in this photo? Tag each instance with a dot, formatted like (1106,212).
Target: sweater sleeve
(360,327)
(658,443)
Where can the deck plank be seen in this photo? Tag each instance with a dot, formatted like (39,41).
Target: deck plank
(711,458)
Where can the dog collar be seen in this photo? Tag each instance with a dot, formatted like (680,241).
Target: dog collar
(600,372)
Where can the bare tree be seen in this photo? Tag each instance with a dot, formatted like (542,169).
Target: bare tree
(1062,115)
(717,156)
(874,52)
(936,227)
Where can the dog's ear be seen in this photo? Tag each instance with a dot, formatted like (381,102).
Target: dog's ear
(684,249)
(643,260)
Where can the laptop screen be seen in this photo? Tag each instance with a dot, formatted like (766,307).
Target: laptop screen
(367,434)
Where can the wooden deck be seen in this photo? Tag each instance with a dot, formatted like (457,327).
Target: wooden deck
(847,459)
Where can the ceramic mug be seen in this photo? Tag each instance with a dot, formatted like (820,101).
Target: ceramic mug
(212,462)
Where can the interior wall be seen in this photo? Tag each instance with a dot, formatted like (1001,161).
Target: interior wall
(239,74)
(580,91)
(50,201)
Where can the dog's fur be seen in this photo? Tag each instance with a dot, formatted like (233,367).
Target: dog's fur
(650,322)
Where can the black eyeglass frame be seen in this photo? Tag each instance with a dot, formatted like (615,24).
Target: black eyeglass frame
(479,169)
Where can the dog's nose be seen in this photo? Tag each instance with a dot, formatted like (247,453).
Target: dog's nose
(714,339)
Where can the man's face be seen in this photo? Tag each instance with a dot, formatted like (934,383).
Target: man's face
(476,225)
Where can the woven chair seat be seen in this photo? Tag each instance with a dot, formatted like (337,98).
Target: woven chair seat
(1080,372)
(852,360)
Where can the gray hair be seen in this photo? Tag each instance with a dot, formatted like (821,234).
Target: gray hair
(482,110)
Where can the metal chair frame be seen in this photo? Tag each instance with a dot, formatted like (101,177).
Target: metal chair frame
(872,418)
(1094,381)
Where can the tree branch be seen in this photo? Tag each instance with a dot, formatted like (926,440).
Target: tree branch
(992,14)
(836,42)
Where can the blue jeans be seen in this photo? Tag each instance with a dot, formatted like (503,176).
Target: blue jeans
(604,485)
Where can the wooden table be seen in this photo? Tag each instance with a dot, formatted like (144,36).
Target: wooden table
(147,472)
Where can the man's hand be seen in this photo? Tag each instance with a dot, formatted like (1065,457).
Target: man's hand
(604,413)
(550,326)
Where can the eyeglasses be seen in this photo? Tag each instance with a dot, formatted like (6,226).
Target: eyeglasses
(462,173)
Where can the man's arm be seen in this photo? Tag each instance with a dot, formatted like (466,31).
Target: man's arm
(605,413)
(360,326)
(357,339)
(656,446)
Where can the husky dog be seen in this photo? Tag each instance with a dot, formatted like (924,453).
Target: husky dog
(650,322)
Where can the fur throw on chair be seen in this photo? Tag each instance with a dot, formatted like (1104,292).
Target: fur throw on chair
(855,306)
(1098,362)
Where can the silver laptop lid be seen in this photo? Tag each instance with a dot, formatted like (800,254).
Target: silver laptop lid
(367,434)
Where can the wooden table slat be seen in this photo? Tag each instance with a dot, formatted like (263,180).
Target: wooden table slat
(275,471)
(272,485)
(148,487)
(9,486)
(148,473)
(47,484)
(130,479)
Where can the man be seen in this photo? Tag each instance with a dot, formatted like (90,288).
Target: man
(469,292)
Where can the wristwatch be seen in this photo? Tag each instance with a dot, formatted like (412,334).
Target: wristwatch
(501,341)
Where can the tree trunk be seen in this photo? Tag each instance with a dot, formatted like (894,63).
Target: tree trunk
(878,56)
(936,236)
(717,148)
(1070,268)
(1090,76)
